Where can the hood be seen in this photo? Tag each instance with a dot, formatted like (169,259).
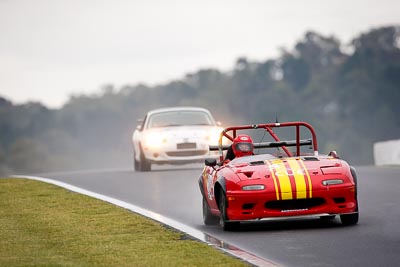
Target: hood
(192,132)
(289,178)
(290,166)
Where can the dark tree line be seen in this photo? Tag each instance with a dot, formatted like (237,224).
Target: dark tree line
(352,99)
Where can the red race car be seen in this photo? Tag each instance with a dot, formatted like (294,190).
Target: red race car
(249,183)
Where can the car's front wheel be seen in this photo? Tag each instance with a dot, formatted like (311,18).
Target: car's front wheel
(143,165)
(135,162)
(327,218)
(223,218)
(349,219)
(352,219)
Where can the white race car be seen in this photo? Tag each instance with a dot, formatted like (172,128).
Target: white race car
(177,135)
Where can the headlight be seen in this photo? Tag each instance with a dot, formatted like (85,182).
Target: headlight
(332,182)
(253,187)
(154,140)
(213,136)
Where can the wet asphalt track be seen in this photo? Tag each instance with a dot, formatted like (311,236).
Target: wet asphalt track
(174,193)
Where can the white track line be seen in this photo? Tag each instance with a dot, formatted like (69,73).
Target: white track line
(219,244)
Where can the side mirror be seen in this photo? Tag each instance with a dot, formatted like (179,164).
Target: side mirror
(334,154)
(210,162)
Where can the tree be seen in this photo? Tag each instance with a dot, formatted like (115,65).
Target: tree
(296,71)
(320,52)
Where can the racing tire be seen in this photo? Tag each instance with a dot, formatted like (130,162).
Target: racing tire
(144,164)
(223,218)
(208,217)
(135,162)
(352,219)
(327,218)
(349,219)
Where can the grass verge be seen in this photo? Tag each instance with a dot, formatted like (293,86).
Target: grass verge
(44,225)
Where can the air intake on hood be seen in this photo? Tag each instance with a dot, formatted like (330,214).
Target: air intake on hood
(311,158)
(254,163)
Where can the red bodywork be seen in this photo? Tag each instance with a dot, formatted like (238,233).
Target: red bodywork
(288,186)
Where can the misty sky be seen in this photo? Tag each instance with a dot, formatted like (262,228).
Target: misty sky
(50,49)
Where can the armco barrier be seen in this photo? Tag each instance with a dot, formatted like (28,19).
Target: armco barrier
(387,153)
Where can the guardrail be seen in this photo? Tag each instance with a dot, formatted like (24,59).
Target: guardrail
(387,153)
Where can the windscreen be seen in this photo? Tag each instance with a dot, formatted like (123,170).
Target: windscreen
(179,118)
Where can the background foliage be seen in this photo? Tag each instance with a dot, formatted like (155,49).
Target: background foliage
(351,98)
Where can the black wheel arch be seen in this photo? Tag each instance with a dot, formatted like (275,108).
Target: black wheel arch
(354,174)
(220,185)
(201,185)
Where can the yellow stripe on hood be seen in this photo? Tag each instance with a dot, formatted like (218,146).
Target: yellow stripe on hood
(280,175)
(308,178)
(299,178)
(284,182)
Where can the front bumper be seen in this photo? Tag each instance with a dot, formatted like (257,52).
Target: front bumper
(245,206)
(170,154)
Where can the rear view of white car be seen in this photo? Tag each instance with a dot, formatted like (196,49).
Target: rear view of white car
(177,135)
